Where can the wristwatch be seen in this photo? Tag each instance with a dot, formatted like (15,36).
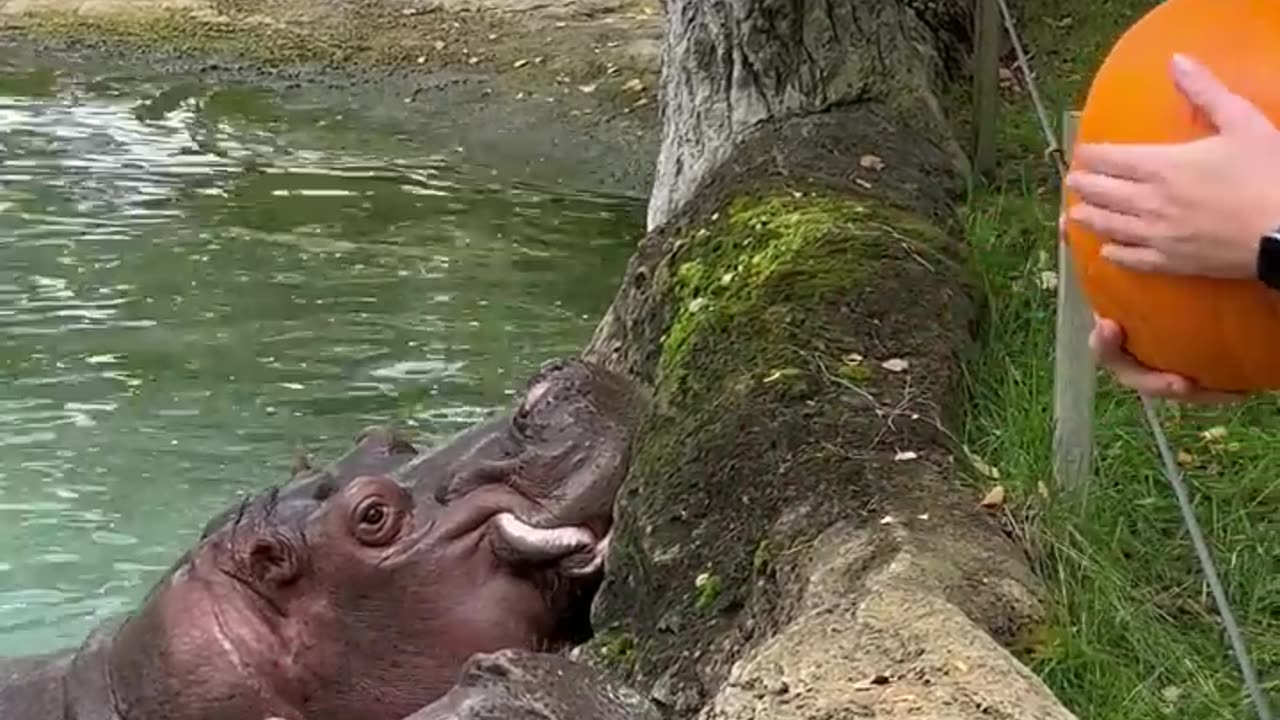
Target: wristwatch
(1269,259)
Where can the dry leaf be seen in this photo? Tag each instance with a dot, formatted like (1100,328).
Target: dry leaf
(905,456)
(1185,458)
(588,89)
(519,64)
(1214,433)
(1048,280)
(634,85)
(777,375)
(981,465)
(994,499)
(871,162)
(887,520)
(896,365)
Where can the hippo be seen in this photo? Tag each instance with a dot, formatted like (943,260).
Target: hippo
(519,684)
(360,591)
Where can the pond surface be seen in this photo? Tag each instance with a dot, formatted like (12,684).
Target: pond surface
(192,285)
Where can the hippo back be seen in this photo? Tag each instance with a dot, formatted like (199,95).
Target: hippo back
(31,688)
(525,685)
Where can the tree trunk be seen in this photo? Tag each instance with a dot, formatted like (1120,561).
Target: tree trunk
(794,541)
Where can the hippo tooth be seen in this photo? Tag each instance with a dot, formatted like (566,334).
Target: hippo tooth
(541,544)
(594,560)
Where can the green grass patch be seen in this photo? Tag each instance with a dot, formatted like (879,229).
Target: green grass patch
(1133,632)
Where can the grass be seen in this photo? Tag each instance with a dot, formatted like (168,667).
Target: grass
(1132,630)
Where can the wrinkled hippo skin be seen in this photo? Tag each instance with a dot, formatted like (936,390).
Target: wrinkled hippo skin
(359,591)
(516,684)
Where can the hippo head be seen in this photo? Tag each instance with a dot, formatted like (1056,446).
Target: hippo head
(363,596)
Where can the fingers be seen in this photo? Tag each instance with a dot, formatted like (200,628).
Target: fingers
(1107,343)
(1228,111)
(1130,161)
(1135,257)
(1117,194)
(1118,227)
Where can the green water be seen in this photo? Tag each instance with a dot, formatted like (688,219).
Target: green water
(187,296)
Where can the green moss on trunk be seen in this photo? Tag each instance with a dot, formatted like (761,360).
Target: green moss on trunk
(771,257)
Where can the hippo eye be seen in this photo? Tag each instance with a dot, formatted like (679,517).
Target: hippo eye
(376,522)
(374,515)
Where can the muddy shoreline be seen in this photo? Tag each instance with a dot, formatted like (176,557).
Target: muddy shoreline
(553,94)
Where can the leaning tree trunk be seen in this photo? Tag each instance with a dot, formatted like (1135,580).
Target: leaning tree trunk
(793,541)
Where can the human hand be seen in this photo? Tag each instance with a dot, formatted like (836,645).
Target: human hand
(1106,342)
(1194,208)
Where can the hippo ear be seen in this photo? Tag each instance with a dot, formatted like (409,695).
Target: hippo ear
(273,562)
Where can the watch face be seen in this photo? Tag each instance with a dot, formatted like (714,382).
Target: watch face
(1269,260)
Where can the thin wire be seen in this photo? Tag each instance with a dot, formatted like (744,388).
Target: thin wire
(1053,150)
(1172,473)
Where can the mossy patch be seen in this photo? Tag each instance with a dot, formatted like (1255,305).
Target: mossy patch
(803,246)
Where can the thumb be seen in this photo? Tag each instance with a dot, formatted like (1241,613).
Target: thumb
(1228,111)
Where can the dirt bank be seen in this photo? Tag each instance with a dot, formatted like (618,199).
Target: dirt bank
(563,92)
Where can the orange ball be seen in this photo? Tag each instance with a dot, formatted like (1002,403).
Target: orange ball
(1222,334)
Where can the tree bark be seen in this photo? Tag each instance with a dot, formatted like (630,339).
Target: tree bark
(794,540)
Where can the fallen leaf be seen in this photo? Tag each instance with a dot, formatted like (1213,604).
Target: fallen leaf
(981,465)
(871,162)
(588,89)
(887,520)
(994,499)
(1185,458)
(777,375)
(905,456)
(1171,693)
(519,64)
(923,516)
(1214,433)
(896,365)
(634,85)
